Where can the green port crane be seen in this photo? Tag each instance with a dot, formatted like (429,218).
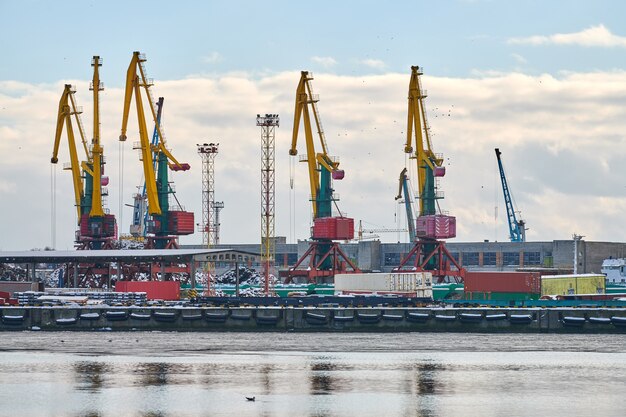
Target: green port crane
(165,224)
(97,228)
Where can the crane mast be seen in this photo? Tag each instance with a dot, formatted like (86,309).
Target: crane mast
(165,224)
(517,229)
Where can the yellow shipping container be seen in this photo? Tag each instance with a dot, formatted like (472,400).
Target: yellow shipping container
(573,284)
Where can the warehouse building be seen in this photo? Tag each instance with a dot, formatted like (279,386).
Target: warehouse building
(556,256)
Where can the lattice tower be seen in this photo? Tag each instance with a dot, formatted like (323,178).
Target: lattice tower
(268,124)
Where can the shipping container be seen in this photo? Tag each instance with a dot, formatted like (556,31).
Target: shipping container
(333,228)
(12,287)
(573,284)
(155,290)
(98,226)
(380,282)
(523,282)
(181,222)
(436,227)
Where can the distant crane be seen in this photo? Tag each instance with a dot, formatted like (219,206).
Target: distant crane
(97,228)
(429,252)
(325,257)
(403,188)
(517,229)
(371,232)
(165,224)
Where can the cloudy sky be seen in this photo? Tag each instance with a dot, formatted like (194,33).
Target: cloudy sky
(543,81)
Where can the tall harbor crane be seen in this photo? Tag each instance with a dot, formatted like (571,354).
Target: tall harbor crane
(517,228)
(429,252)
(97,228)
(325,257)
(165,224)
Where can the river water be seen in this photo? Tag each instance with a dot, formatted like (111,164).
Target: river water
(409,374)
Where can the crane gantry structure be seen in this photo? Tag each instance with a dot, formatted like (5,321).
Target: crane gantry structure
(97,228)
(325,257)
(165,224)
(429,252)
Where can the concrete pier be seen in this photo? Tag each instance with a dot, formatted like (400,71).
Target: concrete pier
(316,319)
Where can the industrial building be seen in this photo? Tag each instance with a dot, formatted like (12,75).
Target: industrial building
(556,256)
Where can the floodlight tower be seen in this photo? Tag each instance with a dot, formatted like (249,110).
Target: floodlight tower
(208,152)
(268,124)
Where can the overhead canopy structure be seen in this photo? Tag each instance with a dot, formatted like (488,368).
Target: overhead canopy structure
(146,255)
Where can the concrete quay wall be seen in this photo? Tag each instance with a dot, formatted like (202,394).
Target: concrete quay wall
(326,319)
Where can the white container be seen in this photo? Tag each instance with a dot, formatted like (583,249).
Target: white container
(394,282)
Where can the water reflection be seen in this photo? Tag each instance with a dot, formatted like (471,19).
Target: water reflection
(427,385)
(90,376)
(266,380)
(321,378)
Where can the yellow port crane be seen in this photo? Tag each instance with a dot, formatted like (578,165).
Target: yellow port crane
(165,223)
(96,226)
(134,82)
(325,257)
(429,252)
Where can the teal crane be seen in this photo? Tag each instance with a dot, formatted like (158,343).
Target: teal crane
(517,229)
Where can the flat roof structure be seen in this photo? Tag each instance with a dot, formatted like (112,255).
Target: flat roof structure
(133,255)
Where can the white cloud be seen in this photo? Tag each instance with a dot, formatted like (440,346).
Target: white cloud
(565,162)
(595,36)
(520,59)
(325,61)
(213,58)
(374,63)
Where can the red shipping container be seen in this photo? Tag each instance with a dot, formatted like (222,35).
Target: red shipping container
(333,228)
(155,290)
(528,282)
(181,222)
(436,226)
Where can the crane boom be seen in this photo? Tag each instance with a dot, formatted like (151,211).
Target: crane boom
(517,230)
(67,108)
